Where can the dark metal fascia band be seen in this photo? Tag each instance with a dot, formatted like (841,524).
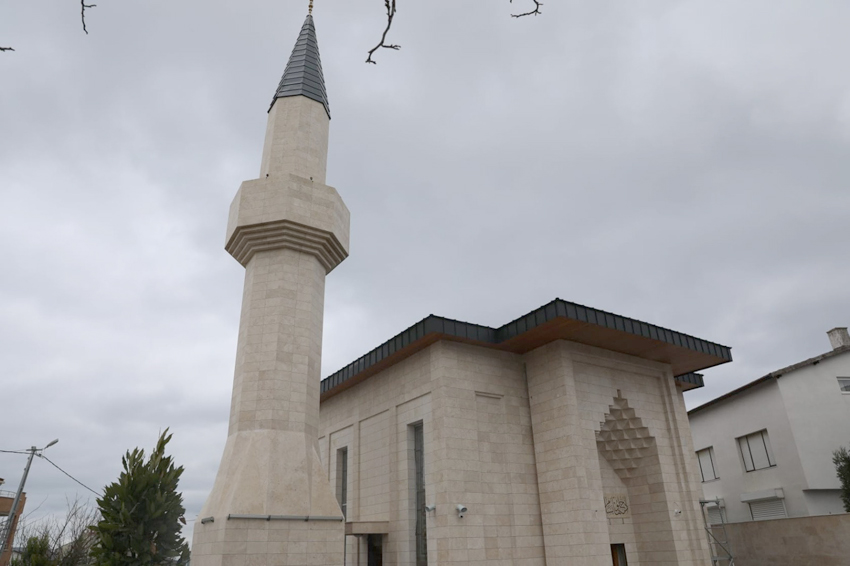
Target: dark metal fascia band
(557,308)
(285,517)
(693,378)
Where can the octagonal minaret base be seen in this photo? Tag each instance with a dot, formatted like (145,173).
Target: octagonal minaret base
(271,504)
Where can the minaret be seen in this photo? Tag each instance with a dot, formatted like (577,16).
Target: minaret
(271,504)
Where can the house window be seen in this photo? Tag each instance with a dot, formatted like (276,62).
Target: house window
(768,509)
(706,464)
(342,479)
(844,384)
(756,451)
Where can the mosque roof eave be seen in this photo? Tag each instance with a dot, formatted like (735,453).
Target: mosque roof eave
(557,320)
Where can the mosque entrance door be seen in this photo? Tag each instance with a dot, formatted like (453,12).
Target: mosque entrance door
(374,550)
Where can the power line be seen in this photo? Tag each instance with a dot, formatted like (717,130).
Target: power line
(15,451)
(70,476)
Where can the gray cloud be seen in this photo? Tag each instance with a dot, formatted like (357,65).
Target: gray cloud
(683,163)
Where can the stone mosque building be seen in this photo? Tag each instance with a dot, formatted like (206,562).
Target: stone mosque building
(560,438)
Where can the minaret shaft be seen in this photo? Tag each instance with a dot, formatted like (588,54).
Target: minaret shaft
(279,351)
(289,230)
(296,139)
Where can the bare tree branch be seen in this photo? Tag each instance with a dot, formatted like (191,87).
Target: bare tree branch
(390,5)
(68,539)
(83,7)
(7,49)
(534,12)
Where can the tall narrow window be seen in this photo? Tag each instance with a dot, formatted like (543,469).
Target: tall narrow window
(756,451)
(706,464)
(342,479)
(618,555)
(419,495)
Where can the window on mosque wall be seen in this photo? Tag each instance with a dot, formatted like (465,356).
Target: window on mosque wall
(844,384)
(756,451)
(342,479)
(706,464)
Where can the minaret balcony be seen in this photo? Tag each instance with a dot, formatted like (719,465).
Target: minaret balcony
(288,212)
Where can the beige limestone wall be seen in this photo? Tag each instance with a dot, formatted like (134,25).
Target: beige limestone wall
(572,387)
(296,139)
(575,526)
(275,403)
(620,521)
(373,421)
(485,456)
(478,452)
(271,464)
(500,426)
(242,542)
(802,541)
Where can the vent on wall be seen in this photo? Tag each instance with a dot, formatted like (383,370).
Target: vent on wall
(768,509)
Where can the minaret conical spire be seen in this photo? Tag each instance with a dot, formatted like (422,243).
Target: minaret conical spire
(303,73)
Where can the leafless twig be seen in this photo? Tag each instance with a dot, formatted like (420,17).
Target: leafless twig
(7,49)
(390,5)
(534,12)
(83,7)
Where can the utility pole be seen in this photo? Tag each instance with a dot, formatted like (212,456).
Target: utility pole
(9,531)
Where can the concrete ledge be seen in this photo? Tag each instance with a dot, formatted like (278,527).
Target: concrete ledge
(367,528)
(248,240)
(761,495)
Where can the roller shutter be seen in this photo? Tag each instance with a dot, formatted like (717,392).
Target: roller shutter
(768,509)
(714,516)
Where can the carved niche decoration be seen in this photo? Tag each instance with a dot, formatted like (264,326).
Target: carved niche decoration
(623,439)
(617,506)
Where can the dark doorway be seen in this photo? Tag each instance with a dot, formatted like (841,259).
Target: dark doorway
(618,553)
(375,550)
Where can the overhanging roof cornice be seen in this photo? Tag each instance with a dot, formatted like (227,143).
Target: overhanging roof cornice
(557,320)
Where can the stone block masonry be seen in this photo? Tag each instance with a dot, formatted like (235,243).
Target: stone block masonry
(271,503)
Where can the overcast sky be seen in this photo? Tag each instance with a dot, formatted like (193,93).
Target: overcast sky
(680,162)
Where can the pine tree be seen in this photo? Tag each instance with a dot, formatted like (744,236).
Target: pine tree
(141,513)
(841,459)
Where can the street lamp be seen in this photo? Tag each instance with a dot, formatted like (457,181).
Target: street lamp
(10,522)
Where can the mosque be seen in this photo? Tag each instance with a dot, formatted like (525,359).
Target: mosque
(559,438)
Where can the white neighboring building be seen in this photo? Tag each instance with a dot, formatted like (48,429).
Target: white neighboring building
(765,449)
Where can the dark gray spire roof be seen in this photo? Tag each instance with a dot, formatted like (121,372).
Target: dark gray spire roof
(303,73)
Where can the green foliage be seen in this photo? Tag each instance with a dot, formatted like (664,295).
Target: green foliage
(841,459)
(141,513)
(58,541)
(37,552)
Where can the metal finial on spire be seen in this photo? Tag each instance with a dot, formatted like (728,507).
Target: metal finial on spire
(310,9)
